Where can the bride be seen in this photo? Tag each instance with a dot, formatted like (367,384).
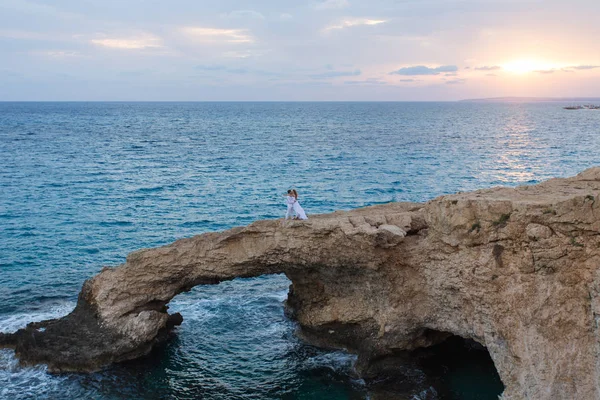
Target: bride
(300,214)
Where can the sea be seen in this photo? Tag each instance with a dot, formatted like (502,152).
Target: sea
(84,184)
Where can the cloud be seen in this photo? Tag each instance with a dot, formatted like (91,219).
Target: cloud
(545,71)
(331,4)
(370,81)
(574,68)
(210,67)
(407,80)
(36,8)
(351,22)
(491,75)
(488,68)
(335,74)
(37,36)
(25,35)
(239,14)
(215,35)
(455,81)
(216,68)
(423,70)
(285,16)
(583,67)
(133,43)
(60,53)
(244,53)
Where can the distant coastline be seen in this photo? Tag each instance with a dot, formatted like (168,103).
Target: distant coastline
(531,99)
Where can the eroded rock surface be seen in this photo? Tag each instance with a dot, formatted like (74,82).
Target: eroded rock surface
(516,270)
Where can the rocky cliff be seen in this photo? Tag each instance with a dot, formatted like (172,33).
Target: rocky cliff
(516,270)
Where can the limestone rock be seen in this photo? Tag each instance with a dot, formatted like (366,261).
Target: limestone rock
(537,231)
(515,269)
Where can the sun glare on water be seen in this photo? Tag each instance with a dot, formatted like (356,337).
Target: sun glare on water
(525,66)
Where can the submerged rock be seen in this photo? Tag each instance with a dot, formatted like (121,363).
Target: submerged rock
(516,270)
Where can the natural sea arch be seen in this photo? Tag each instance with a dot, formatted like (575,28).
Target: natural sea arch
(516,270)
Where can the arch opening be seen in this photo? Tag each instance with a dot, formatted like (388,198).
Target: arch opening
(237,341)
(455,368)
(446,367)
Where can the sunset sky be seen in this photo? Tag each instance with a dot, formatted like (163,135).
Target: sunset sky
(298,50)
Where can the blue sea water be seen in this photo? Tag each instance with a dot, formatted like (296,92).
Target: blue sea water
(84,184)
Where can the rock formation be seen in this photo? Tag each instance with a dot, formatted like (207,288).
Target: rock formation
(516,270)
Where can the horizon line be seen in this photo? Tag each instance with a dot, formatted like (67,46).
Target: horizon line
(482,99)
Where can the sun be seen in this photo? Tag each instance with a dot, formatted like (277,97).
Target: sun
(529,65)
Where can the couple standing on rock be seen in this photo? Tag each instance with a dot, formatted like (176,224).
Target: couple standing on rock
(291,199)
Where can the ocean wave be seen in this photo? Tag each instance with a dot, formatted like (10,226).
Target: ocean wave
(151,189)
(13,322)
(194,224)
(18,382)
(337,361)
(115,223)
(428,394)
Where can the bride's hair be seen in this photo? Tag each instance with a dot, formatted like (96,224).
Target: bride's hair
(295,193)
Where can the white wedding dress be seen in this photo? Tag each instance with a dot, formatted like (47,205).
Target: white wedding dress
(299,211)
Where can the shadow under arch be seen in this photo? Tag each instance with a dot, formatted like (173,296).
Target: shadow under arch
(454,368)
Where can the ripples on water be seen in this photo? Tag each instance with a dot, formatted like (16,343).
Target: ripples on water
(83,184)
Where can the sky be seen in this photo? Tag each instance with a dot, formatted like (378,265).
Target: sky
(284,50)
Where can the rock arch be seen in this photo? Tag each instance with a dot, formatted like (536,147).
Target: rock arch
(516,270)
